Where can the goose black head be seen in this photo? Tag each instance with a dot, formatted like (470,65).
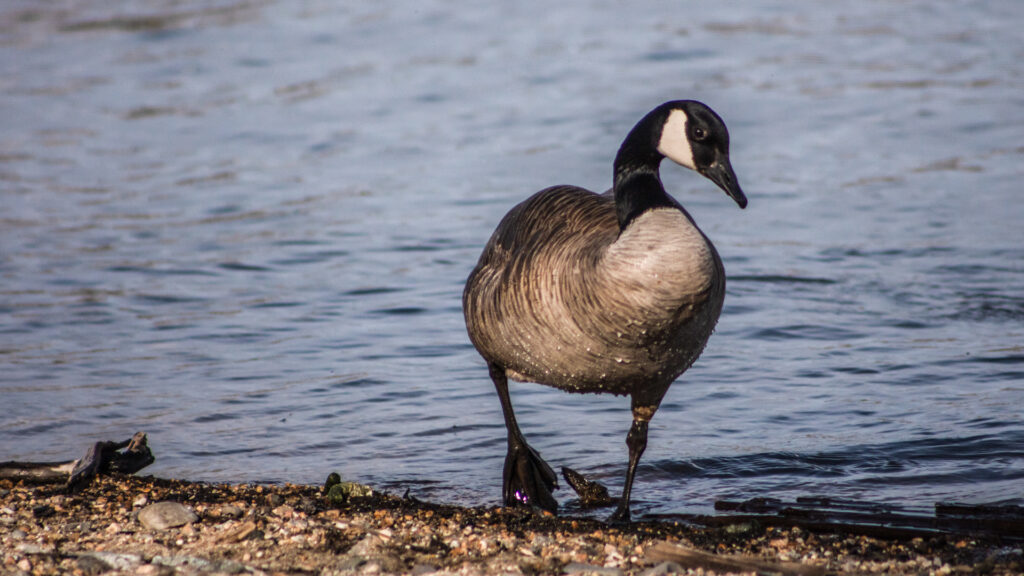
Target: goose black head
(692,135)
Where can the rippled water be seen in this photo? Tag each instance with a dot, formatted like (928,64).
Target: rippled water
(243,227)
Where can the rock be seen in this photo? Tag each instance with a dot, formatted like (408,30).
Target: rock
(163,515)
(30,548)
(308,506)
(17,534)
(121,562)
(341,492)
(332,479)
(91,565)
(231,511)
(43,511)
(283,511)
(371,556)
(196,564)
(371,545)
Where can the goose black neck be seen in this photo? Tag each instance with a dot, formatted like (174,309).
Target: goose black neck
(637,183)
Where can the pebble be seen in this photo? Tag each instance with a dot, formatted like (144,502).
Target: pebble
(28,548)
(163,515)
(400,536)
(116,561)
(92,566)
(368,546)
(231,511)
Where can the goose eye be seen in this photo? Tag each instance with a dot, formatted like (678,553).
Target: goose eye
(699,134)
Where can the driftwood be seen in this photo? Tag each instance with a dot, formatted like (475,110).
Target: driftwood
(881,520)
(591,493)
(693,559)
(100,458)
(37,472)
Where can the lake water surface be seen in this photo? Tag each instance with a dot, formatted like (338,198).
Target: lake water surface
(244,226)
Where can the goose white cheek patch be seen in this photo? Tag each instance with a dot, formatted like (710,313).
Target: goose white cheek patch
(674,144)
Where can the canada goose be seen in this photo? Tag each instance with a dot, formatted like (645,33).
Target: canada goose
(615,292)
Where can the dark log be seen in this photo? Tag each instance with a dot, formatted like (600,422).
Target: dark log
(591,493)
(100,458)
(873,519)
(36,472)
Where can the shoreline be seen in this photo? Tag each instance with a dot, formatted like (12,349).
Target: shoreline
(294,529)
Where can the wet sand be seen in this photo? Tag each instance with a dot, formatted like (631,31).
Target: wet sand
(291,529)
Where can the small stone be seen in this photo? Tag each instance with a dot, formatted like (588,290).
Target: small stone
(43,511)
(91,565)
(24,565)
(116,561)
(17,534)
(231,511)
(308,506)
(332,479)
(371,545)
(163,515)
(30,548)
(140,501)
(342,492)
(283,511)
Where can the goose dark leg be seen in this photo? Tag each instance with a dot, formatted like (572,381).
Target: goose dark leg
(527,479)
(636,440)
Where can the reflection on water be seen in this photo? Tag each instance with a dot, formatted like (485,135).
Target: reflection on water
(243,227)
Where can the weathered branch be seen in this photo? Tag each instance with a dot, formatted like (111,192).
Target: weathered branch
(691,558)
(101,458)
(881,520)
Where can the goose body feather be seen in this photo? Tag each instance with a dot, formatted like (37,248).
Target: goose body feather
(562,297)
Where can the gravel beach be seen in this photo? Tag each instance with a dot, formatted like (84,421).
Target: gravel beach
(151,526)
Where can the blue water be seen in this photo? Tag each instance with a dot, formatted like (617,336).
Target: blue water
(243,227)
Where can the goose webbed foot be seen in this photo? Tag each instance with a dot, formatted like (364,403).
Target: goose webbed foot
(528,480)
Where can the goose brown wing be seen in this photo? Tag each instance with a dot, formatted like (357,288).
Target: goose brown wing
(552,219)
